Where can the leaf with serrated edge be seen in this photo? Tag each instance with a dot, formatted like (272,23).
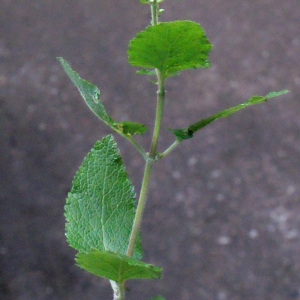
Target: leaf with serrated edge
(101,206)
(183,134)
(171,47)
(116,267)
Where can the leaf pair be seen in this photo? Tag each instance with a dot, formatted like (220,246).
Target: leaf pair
(100,210)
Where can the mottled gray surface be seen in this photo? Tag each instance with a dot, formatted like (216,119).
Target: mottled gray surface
(223,217)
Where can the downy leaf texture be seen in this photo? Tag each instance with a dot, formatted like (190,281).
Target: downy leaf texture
(171,47)
(187,133)
(101,205)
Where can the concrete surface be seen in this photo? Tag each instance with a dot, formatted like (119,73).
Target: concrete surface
(223,218)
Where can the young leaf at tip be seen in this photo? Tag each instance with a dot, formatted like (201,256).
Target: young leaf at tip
(171,47)
(187,133)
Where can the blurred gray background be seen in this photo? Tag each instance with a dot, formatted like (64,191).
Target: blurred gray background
(223,217)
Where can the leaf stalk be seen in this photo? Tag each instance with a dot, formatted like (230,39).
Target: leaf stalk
(119,290)
(154,12)
(169,149)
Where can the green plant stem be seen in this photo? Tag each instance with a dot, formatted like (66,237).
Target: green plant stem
(140,208)
(150,160)
(159,115)
(154,12)
(149,166)
(119,290)
(169,149)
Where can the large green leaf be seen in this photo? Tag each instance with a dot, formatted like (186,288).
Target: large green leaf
(171,47)
(116,267)
(91,95)
(101,206)
(183,134)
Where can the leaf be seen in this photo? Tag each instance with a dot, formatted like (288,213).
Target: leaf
(158,298)
(171,47)
(116,267)
(91,95)
(101,206)
(146,72)
(89,92)
(182,134)
(131,128)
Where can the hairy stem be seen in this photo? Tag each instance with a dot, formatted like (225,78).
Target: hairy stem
(169,149)
(154,12)
(140,208)
(159,115)
(119,290)
(149,166)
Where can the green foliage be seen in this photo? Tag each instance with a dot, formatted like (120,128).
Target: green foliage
(171,47)
(158,298)
(149,1)
(101,205)
(183,134)
(103,222)
(116,267)
(131,128)
(91,94)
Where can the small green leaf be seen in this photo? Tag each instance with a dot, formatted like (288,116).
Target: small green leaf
(158,298)
(183,134)
(91,95)
(101,206)
(89,92)
(131,128)
(171,47)
(146,72)
(116,267)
